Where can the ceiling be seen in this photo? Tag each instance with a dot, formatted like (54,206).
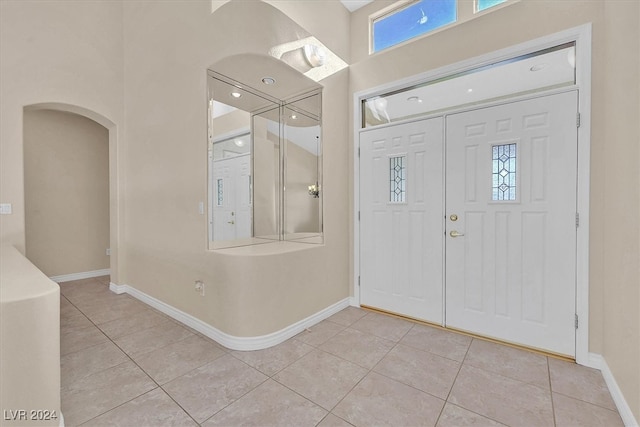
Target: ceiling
(355,4)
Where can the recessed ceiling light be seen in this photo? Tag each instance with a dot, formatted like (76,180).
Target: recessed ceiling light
(268,80)
(537,67)
(414,99)
(293,116)
(236,94)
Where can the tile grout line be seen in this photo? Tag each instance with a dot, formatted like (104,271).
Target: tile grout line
(139,367)
(466,361)
(370,370)
(446,400)
(553,406)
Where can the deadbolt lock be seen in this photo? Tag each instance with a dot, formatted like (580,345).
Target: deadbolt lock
(453,217)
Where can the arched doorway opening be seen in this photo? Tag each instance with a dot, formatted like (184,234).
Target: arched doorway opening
(71,191)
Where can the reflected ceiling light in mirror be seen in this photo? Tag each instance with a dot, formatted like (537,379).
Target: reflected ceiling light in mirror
(331,63)
(236,94)
(293,116)
(239,142)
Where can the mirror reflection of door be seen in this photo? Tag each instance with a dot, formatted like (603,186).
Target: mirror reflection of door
(231,184)
(231,162)
(265,165)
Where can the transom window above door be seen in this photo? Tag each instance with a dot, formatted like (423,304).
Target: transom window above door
(550,68)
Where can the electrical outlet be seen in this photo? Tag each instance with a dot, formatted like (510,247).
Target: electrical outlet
(200,287)
(108,251)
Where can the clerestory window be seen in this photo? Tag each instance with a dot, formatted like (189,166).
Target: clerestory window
(409,19)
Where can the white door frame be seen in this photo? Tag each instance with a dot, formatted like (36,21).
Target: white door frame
(582,37)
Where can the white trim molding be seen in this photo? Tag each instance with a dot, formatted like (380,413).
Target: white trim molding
(231,341)
(82,275)
(597,361)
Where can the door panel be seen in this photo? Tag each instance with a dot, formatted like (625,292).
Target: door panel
(401,229)
(511,175)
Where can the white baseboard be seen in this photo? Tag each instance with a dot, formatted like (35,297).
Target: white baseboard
(353,302)
(231,341)
(598,362)
(82,275)
(594,361)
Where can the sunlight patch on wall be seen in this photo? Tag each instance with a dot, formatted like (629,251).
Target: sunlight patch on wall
(310,57)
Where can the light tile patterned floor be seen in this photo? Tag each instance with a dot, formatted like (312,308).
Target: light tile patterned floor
(126,364)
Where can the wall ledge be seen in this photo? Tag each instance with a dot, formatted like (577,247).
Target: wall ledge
(82,275)
(231,341)
(597,361)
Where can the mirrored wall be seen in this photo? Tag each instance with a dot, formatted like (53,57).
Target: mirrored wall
(265,166)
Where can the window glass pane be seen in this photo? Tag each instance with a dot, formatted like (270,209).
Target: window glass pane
(549,68)
(504,172)
(412,21)
(220,192)
(397,179)
(486,4)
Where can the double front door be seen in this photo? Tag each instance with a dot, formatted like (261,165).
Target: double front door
(469,220)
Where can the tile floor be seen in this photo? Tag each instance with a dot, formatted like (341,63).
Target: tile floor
(124,363)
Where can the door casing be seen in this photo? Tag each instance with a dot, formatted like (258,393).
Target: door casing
(581,35)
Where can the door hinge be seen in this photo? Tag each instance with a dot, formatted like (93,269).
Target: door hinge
(358,215)
(577,220)
(358,281)
(576,321)
(577,120)
(358,151)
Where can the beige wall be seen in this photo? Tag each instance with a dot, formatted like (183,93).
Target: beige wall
(73,53)
(66,179)
(615,166)
(67,55)
(169,45)
(621,197)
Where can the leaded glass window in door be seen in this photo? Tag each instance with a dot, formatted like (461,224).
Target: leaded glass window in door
(504,172)
(397,179)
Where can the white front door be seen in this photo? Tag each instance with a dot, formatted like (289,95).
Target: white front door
(511,174)
(401,219)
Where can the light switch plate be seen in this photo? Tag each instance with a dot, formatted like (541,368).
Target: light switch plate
(5,209)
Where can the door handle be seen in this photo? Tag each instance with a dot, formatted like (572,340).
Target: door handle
(454,233)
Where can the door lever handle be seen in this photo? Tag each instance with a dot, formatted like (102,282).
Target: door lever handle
(454,233)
